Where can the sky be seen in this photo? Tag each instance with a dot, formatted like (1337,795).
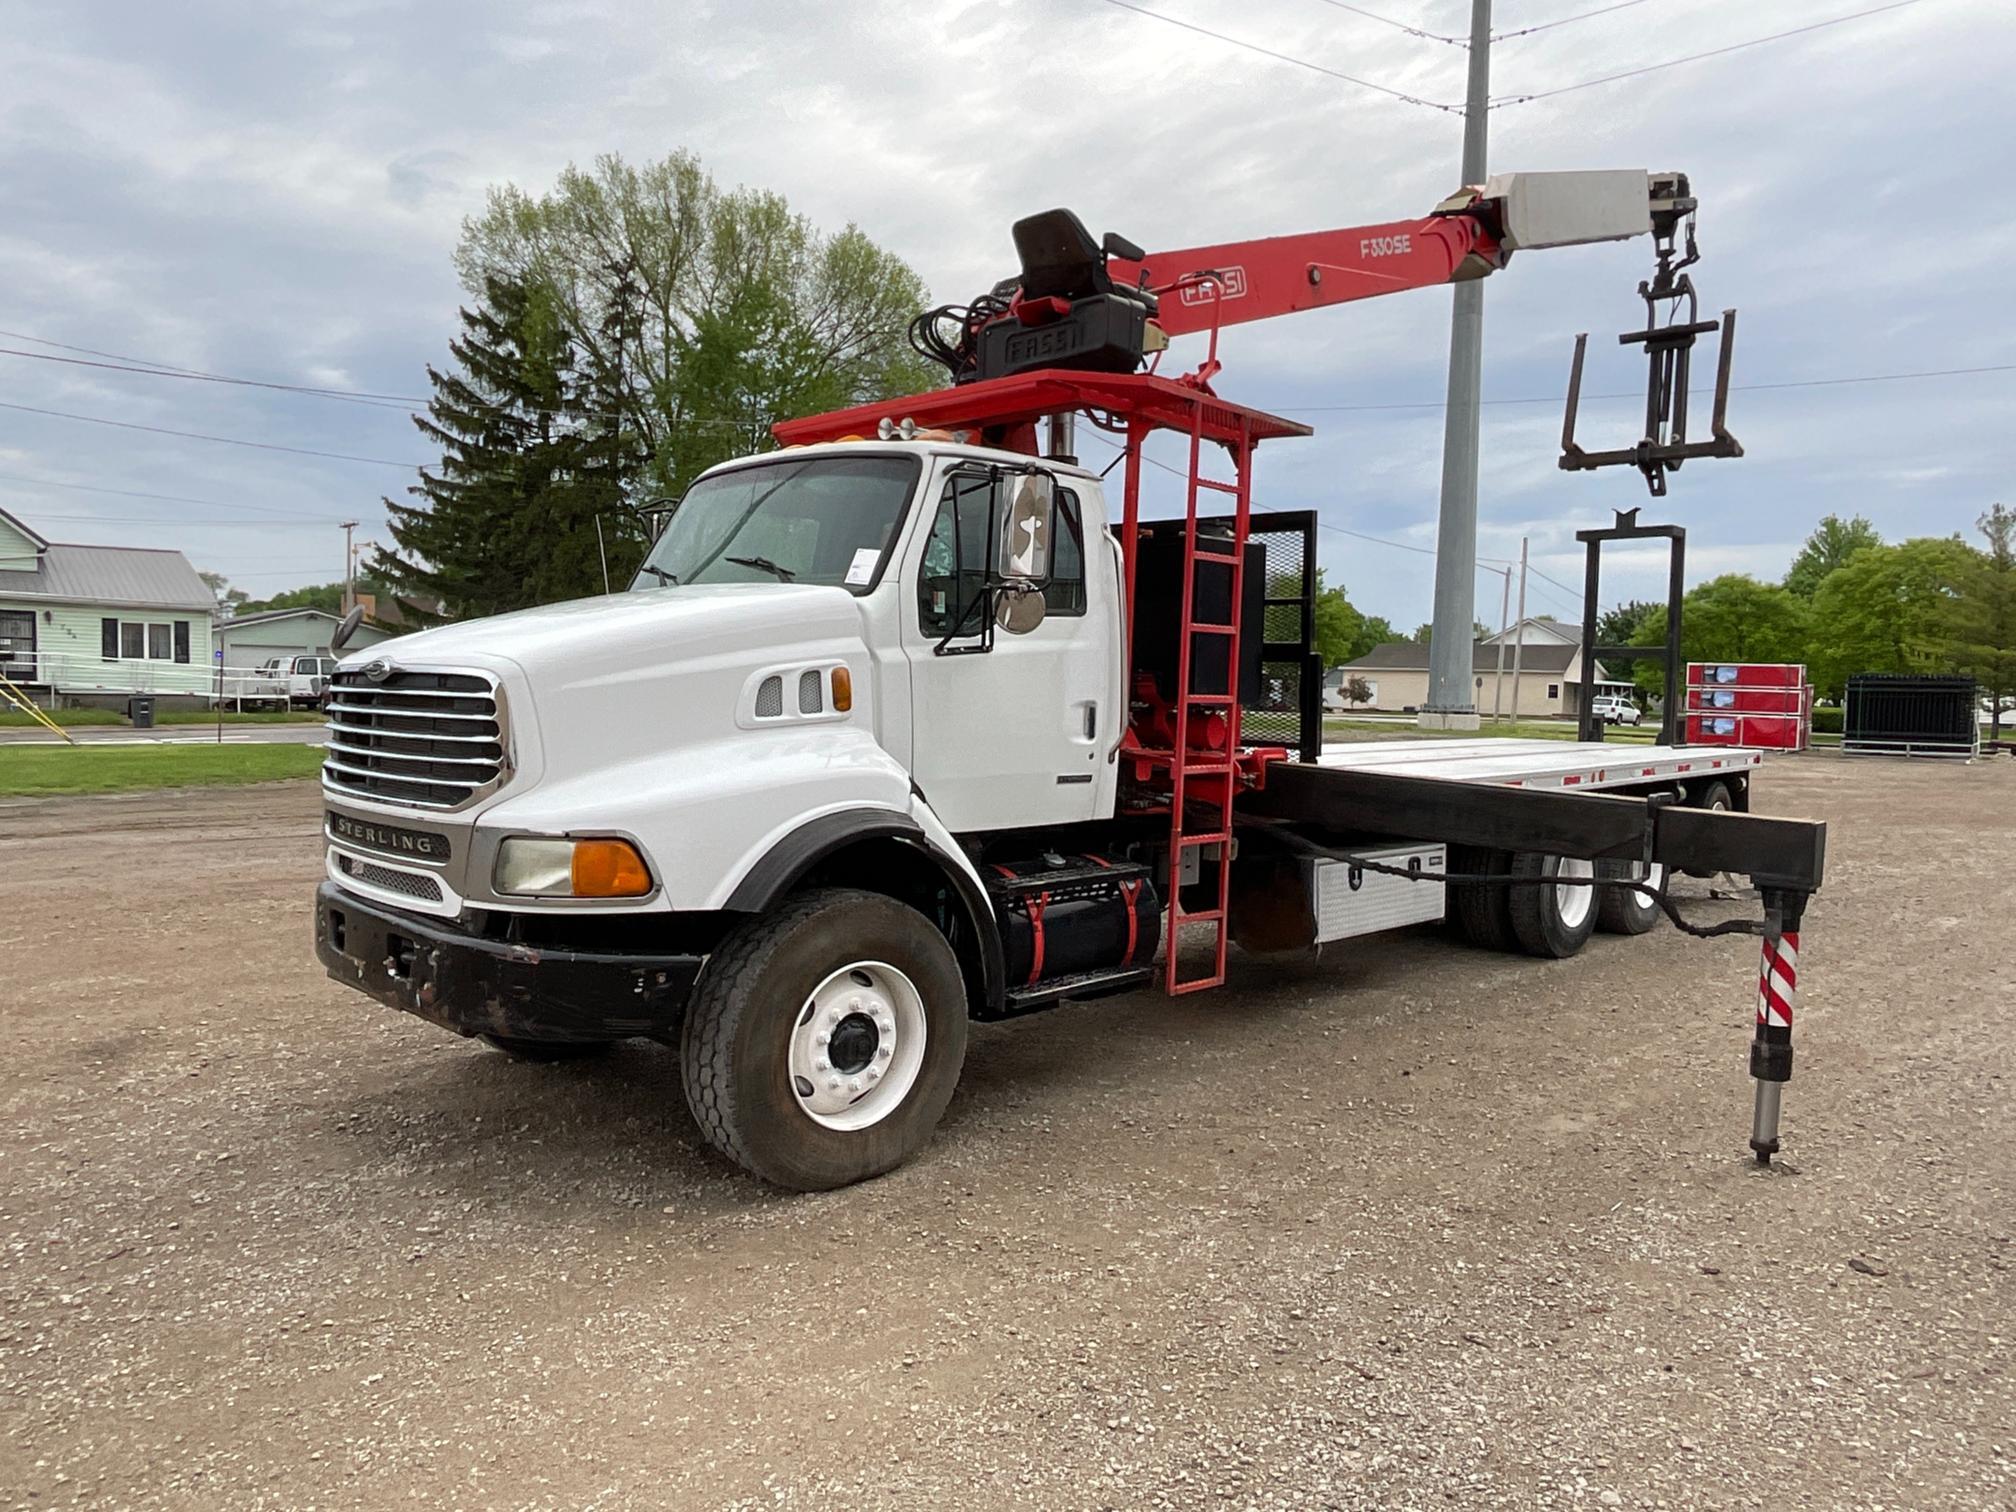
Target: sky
(272,191)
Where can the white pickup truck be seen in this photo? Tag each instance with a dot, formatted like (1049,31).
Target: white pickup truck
(300,680)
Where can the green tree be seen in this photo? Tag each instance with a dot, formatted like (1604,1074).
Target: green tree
(1984,616)
(1732,618)
(1343,632)
(534,455)
(736,311)
(1833,542)
(328,597)
(1618,626)
(1889,609)
(229,599)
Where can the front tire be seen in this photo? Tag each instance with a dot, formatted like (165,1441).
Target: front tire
(825,1039)
(1552,922)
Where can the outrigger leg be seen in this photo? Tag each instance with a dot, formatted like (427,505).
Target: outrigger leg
(1777,995)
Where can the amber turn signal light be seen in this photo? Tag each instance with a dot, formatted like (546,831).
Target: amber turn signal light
(843,689)
(609,869)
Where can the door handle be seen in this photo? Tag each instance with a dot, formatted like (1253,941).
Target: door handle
(1092,721)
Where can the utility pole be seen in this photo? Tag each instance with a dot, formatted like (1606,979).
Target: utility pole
(349,567)
(1450,705)
(1519,645)
(1504,624)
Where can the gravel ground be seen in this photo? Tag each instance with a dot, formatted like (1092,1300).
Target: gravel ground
(1414,1227)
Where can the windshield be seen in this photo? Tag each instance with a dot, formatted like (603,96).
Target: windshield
(824,520)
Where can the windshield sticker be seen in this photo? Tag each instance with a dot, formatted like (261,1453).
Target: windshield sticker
(862,570)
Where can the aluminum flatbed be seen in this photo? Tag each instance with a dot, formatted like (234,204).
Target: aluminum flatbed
(1506,762)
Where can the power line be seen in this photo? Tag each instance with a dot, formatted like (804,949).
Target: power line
(1734,388)
(1410,29)
(401,402)
(129,493)
(157,520)
(369,401)
(1527,31)
(1633,73)
(1264,52)
(162,430)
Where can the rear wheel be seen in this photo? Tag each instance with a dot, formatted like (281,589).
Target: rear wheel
(1620,910)
(1553,922)
(1480,909)
(825,1039)
(1713,796)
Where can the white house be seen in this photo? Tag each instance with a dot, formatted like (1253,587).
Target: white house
(85,621)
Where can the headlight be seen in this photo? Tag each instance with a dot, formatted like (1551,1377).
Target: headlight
(529,866)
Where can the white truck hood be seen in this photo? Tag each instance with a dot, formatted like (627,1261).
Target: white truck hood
(593,685)
(630,632)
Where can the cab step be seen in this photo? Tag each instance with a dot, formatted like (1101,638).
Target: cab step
(1051,991)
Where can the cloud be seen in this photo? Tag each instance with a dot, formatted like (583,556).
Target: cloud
(275,193)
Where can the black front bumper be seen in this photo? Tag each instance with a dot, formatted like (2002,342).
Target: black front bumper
(472,985)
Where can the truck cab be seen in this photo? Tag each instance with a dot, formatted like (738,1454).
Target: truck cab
(828,670)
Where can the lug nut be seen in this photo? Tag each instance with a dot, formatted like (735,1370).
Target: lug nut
(833,1084)
(821,1039)
(854,1085)
(822,1066)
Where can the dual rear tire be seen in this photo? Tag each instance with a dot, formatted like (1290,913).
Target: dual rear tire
(1532,917)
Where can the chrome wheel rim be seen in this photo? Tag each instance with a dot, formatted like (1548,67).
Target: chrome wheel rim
(857,1046)
(1572,904)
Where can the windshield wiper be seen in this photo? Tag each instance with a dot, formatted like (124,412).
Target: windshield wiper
(659,573)
(764,564)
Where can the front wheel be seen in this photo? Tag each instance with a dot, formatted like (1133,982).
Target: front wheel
(825,1039)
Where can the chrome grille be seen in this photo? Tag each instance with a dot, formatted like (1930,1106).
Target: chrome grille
(421,739)
(391,879)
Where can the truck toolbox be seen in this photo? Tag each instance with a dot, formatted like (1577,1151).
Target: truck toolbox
(473,985)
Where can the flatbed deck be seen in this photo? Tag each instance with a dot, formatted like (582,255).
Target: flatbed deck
(1509,762)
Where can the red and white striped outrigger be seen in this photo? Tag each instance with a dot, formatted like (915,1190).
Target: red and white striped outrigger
(1777,995)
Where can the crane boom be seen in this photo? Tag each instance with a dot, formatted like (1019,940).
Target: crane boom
(1104,305)
(1282,275)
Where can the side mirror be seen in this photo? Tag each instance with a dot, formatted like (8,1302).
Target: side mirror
(1026,504)
(347,628)
(1022,558)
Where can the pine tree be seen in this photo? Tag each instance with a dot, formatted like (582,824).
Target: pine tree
(534,449)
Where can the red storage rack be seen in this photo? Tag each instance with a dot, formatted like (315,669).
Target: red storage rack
(1759,704)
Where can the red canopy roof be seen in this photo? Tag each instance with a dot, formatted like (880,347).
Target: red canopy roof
(1025,397)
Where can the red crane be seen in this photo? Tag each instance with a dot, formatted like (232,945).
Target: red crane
(1071,332)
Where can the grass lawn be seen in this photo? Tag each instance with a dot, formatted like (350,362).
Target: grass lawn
(13,719)
(42,771)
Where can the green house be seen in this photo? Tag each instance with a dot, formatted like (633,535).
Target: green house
(87,623)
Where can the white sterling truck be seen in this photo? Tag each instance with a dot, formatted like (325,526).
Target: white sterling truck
(912,722)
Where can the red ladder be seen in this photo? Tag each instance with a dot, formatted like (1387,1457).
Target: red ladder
(1217,768)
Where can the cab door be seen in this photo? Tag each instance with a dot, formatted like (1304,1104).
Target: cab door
(1010,734)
